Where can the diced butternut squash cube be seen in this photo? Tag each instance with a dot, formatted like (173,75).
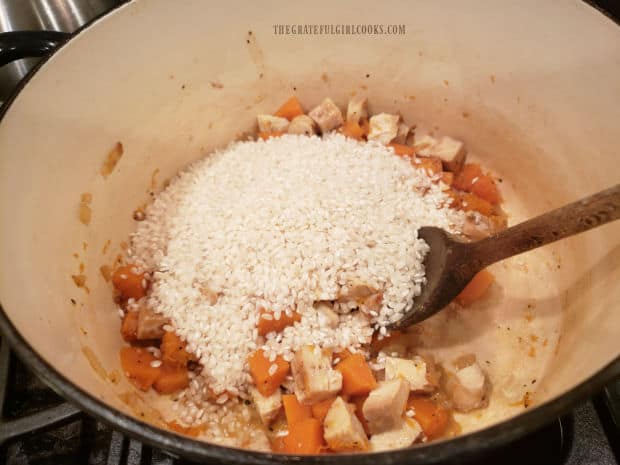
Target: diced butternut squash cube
(130,283)
(267,379)
(171,379)
(304,437)
(136,363)
(476,289)
(471,202)
(173,350)
(431,165)
(402,150)
(294,410)
(320,409)
(290,109)
(268,323)
(357,377)
(432,417)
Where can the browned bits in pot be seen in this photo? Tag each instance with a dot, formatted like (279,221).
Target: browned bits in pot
(154,179)
(216,84)
(79,280)
(106,272)
(139,215)
(84,211)
(106,246)
(85,214)
(111,160)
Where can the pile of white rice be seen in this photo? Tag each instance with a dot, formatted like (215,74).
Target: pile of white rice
(281,224)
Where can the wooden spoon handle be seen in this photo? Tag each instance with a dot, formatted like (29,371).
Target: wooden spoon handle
(574,218)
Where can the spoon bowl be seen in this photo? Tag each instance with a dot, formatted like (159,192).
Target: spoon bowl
(452,262)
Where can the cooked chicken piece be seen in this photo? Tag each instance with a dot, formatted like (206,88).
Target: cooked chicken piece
(418,373)
(452,153)
(327,315)
(270,123)
(424,145)
(327,115)
(357,109)
(363,294)
(402,435)
(355,291)
(383,127)
(268,407)
(468,388)
(385,405)
(302,124)
(402,134)
(150,324)
(315,379)
(343,431)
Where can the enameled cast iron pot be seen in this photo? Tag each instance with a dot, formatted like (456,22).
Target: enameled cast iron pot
(532,87)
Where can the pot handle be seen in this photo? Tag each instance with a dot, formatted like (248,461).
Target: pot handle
(24,44)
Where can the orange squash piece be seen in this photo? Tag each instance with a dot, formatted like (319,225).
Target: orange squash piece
(129,326)
(472,179)
(357,377)
(342,355)
(136,363)
(471,202)
(128,281)
(173,350)
(305,437)
(172,378)
(402,150)
(267,135)
(294,410)
(290,109)
(270,324)
(192,431)
(476,289)
(259,369)
(466,176)
(432,165)
(320,409)
(358,401)
(278,444)
(447,178)
(432,417)
(486,189)
(353,130)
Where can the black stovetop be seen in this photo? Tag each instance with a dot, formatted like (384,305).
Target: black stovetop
(38,427)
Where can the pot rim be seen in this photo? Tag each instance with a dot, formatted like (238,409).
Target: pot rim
(465,446)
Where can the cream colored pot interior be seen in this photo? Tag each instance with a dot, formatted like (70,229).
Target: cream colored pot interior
(531,87)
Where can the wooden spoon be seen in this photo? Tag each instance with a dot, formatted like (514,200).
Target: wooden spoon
(452,262)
